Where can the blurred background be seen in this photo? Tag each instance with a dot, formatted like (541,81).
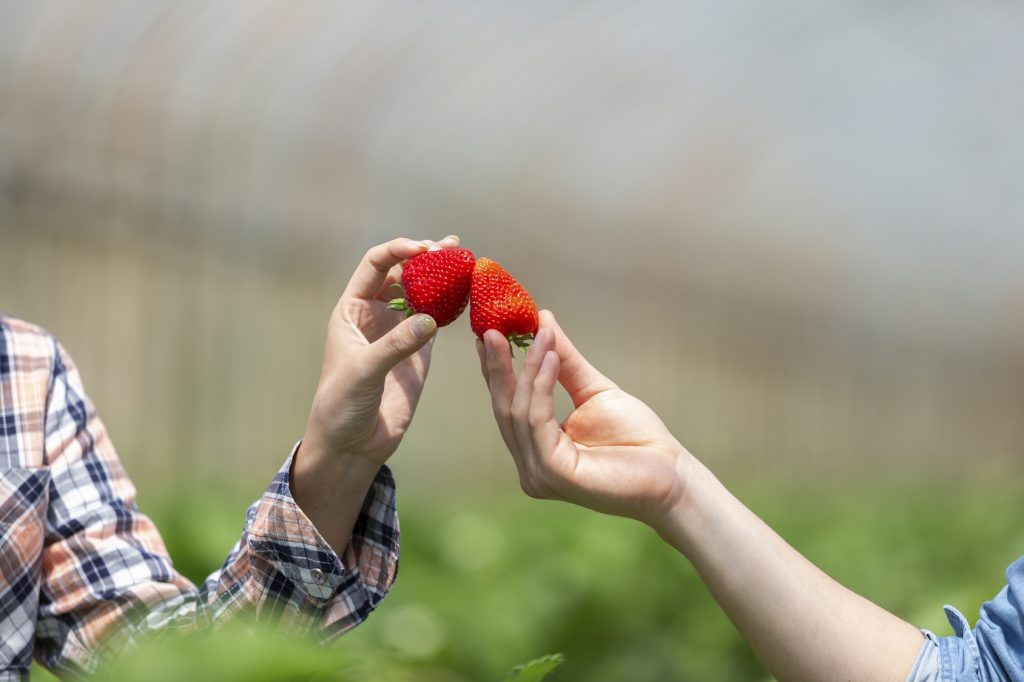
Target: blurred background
(795,229)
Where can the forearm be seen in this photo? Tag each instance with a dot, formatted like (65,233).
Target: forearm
(613,454)
(802,624)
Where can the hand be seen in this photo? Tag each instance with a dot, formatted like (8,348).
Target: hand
(375,363)
(611,454)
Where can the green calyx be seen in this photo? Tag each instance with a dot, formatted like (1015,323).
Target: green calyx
(521,341)
(400,304)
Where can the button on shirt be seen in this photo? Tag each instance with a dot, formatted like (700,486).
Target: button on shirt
(77,556)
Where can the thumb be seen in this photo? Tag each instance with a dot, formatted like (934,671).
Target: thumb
(405,339)
(580,379)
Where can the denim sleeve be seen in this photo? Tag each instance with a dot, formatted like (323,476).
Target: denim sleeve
(993,650)
(926,668)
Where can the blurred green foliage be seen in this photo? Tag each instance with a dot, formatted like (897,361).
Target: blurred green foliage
(537,670)
(484,585)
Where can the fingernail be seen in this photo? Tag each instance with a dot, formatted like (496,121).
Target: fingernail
(451,236)
(488,350)
(423,326)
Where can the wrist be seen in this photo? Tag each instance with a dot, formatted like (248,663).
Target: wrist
(330,488)
(691,513)
(317,467)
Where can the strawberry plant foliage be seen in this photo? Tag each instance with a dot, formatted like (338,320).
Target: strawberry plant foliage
(535,671)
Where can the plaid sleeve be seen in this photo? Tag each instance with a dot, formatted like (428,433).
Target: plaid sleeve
(107,579)
(284,542)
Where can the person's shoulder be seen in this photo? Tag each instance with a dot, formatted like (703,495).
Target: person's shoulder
(25,340)
(16,326)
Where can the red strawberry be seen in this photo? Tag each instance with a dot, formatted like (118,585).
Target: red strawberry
(436,283)
(498,301)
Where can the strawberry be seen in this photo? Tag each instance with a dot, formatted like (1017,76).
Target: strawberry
(498,301)
(436,283)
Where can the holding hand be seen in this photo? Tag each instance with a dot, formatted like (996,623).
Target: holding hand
(375,362)
(611,454)
(375,365)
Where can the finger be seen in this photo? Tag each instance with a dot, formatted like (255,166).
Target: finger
(404,340)
(502,387)
(523,397)
(419,362)
(405,382)
(579,378)
(373,270)
(544,428)
(482,354)
(446,243)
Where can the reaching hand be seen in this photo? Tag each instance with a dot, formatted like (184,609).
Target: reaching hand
(375,362)
(611,454)
(614,455)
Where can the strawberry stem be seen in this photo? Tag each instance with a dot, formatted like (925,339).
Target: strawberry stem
(398,304)
(522,341)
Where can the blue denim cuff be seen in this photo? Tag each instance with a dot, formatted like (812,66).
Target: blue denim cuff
(958,655)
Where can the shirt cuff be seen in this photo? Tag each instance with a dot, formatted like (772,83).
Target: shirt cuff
(926,667)
(281,533)
(959,655)
(948,659)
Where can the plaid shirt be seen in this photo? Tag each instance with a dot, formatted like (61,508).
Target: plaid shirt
(81,566)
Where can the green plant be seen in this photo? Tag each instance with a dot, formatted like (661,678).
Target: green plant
(535,670)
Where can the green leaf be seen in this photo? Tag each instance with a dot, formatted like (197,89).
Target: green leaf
(535,671)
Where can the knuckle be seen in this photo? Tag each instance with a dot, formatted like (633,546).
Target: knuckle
(536,481)
(528,487)
(501,410)
(536,418)
(519,411)
(392,344)
(546,482)
(373,259)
